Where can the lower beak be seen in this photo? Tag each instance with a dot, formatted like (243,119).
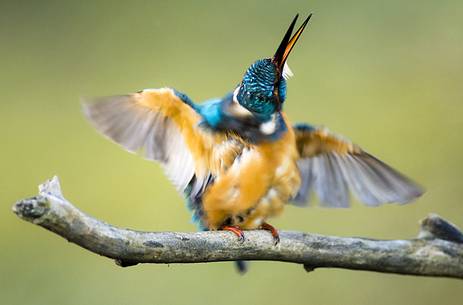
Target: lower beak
(288,43)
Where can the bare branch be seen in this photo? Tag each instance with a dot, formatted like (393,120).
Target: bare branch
(437,252)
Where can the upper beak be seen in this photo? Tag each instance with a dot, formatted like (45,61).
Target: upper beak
(288,43)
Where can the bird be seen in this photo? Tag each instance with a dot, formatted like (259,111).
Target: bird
(238,160)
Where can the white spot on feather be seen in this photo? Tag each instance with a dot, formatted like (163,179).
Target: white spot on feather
(283,168)
(269,126)
(158,90)
(264,202)
(236,108)
(247,156)
(272,193)
(258,221)
(233,193)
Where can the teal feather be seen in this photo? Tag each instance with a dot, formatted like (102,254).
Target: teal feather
(257,90)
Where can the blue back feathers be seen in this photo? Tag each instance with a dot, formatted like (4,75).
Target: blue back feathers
(212,112)
(304,127)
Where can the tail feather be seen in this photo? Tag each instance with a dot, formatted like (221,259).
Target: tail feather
(241,267)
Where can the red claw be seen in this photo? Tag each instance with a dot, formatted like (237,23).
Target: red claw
(236,230)
(272,230)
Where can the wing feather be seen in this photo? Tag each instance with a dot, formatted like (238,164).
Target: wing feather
(331,166)
(157,124)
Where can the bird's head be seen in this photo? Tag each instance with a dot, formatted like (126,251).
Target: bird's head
(263,88)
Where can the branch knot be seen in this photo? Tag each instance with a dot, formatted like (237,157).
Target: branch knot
(435,226)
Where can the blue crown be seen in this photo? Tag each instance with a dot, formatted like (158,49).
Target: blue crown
(257,90)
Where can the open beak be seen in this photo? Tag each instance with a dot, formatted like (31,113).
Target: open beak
(288,43)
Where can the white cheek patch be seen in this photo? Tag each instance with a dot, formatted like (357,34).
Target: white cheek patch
(269,127)
(235,107)
(287,73)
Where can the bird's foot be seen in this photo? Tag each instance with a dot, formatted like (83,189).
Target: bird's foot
(268,227)
(236,230)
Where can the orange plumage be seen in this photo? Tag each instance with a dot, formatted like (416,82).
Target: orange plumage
(254,187)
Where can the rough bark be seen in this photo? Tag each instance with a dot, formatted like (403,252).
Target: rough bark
(438,250)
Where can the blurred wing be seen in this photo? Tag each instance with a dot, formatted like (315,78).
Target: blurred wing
(331,166)
(159,125)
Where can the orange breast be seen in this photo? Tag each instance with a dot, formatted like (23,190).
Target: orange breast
(255,185)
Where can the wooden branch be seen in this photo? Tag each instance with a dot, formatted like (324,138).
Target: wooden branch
(438,251)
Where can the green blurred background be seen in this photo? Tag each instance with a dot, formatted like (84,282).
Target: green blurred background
(387,74)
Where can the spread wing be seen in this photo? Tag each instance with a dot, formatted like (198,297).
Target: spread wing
(161,125)
(331,166)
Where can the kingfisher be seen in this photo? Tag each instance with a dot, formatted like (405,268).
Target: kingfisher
(238,160)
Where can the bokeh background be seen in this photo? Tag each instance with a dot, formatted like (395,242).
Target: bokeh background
(387,74)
